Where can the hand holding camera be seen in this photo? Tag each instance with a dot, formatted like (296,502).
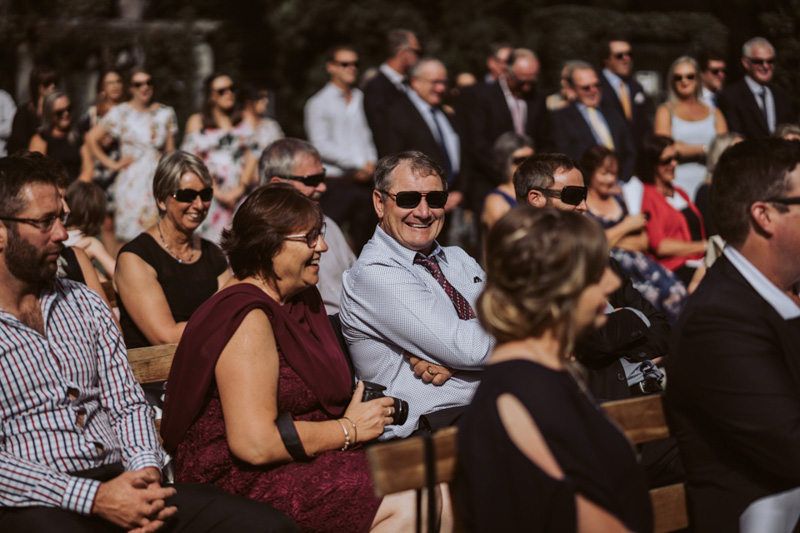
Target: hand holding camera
(369,415)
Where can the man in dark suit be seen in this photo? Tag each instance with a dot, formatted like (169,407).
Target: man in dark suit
(486,111)
(417,122)
(734,363)
(622,93)
(753,106)
(390,82)
(584,123)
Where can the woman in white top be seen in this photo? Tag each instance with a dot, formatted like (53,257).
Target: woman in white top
(690,122)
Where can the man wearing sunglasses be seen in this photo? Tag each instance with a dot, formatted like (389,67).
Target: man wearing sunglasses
(298,163)
(753,106)
(713,70)
(585,122)
(734,363)
(619,355)
(621,91)
(80,451)
(337,127)
(408,304)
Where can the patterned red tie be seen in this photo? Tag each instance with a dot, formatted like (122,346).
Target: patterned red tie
(463,308)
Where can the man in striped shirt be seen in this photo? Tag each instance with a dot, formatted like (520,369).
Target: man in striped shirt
(78,447)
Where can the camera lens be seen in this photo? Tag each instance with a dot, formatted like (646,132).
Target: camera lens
(400,412)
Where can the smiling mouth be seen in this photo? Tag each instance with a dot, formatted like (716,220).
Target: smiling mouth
(419,226)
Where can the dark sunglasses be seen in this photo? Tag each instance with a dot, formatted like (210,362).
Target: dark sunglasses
(620,55)
(762,62)
(310,180)
(188,196)
(681,77)
(411,199)
(311,238)
(345,64)
(62,112)
(587,88)
(224,90)
(668,160)
(570,194)
(140,84)
(717,71)
(789,200)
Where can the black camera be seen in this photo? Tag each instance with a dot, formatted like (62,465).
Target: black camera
(373,390)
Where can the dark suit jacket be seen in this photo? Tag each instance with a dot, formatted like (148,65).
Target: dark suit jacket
(640,126)
(574,136)
(483,115)
(406,130)
(734,398)
(738,103)
(379,94)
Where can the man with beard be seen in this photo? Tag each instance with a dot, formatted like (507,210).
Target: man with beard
(78,446)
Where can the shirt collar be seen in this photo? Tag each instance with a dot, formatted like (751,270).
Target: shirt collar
(783,305)
(755,87)
(395,77)
(504,85)
(612,78)
(421,105)
(407,255)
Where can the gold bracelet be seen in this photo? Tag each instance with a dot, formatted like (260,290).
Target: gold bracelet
(355,430)
(346,436)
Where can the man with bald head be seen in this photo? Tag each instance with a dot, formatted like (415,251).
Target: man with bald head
(486,111)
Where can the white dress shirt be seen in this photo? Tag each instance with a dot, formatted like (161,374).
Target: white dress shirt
(452,142)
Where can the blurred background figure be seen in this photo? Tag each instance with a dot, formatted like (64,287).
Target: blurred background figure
(87,204)
(58,137)
(27,119)
(510,150)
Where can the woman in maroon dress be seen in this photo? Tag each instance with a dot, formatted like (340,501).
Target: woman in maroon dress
(258,398)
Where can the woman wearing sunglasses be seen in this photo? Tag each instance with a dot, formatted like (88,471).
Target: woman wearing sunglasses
(224,142)
(145,130)
(165,273)
(691,123)
(510,149)
(675,232)
(58,138)
(259,398)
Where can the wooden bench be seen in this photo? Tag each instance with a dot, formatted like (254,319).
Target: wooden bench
(399,466)
(151,365)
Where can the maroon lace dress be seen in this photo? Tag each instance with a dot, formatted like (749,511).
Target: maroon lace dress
(333,492)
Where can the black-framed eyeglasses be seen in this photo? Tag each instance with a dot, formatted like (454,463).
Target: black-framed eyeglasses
(762,62)
(140,84)
(311,238)
(787,200)
(188,196)
(221,91)
(570,194)
(620,55)
(310,180)
(681,77)
(668,160)
(411,199)
(43,224)
(345,64)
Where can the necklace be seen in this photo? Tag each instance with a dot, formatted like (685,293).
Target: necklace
(173,254)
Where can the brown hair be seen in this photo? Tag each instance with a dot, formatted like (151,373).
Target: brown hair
(87,207)
(257,231)
(539,261)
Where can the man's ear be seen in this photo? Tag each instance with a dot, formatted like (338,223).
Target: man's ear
(377,202)
(762,216)
(536,198)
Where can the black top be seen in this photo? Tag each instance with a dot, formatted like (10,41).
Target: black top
(185,286)
(66,151)
(72,268)
(23,128)
(500,489)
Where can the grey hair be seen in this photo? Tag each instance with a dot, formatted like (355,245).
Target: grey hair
(520,53)
(422,63)
(570,67)
(747,47)
(718,146)
(504,147)
(578,64)
(698,91)
(278,158)
(171,169)
(418,163)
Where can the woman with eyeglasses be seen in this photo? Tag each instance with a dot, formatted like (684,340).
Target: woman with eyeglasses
(691,123)
(224,142)
(510,150)
(259,398)
(58,138)
(626,235)
(676,236)
(536,453)
(145,130)
(167,272)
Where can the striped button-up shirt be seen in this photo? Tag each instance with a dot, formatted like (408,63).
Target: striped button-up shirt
(68,402)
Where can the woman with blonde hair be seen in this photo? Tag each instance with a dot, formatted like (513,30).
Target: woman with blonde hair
(536,453)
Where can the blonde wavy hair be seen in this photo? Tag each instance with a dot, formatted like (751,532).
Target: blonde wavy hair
(539,261)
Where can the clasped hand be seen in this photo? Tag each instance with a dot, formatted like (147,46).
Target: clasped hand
(135,500)
(429,372)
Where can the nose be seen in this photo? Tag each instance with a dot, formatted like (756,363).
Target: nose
(197,203)
(423,210)
(59,231)
(321,246)
(321,188)
(582,207)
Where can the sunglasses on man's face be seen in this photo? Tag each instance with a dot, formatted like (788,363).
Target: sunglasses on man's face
(762,62)
(411,199)
(570,194)
(346,64)
(620,55)
(188,196)
(717,71)
(310,180)
(668,160)
(140,84)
